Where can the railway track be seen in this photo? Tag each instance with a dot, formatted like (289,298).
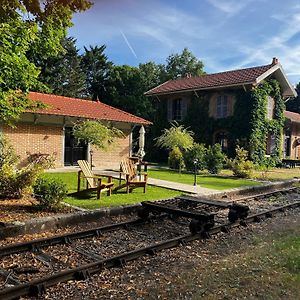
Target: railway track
(208,217)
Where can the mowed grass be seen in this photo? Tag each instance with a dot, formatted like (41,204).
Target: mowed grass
(203,180)
(89,201)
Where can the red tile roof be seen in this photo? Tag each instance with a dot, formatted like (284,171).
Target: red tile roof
(209,81)
(292,116)
(73,107)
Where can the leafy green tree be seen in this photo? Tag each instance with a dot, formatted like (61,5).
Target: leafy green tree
(96,133)
(195,154)
(215,159)
(294,104)
(178,65)
(97,68)
(63,74)
(29,28)
(127,86)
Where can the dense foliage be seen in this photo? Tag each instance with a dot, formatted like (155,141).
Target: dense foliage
(175,159)
(50,192)
(16,182)
(96,133)
(241,165)
(63,73)
(196,154)
(176,136)
(215,159)
(177,140)
(261,127)
(93,76)
(27,29)
(294,103)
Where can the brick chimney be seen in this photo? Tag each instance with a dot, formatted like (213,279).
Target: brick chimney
(275,61)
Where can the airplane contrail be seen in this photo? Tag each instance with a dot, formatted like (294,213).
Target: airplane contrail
(128,44)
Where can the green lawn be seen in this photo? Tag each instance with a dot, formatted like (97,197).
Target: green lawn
(203,180)
(89,201)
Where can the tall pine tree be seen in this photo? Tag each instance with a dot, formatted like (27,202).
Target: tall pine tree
(96,67)
(63,73)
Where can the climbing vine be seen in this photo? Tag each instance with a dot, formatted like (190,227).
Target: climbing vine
(248,127)
(261,127)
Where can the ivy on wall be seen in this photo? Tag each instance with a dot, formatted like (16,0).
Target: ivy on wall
(237,126)
(261,127)
(248,127)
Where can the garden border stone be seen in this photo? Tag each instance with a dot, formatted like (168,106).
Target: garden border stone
(62,220)
(252,190)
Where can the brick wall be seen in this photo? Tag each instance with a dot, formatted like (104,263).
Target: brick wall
(111,158)
(33,139)
(295,149)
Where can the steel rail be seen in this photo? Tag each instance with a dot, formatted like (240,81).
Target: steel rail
(68,237)
(38,286)
(65,238)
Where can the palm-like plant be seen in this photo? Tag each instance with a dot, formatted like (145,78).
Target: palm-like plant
(176,138)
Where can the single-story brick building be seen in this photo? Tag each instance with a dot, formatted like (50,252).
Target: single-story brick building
(49,131)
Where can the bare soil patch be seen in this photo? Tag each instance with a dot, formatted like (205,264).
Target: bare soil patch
(12,210)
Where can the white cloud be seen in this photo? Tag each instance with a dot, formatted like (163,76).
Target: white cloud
(230,7)
(278,46)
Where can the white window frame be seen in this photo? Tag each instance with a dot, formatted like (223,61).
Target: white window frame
(222,106)
(270,108)
(177,109)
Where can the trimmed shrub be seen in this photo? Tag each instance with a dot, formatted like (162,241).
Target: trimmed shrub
(50,193)
(215,159)
(240,165)
(175,159)
(198,151)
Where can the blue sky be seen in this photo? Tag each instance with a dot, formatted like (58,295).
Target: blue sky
(224,34)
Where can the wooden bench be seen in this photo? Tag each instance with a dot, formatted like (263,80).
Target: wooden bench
(94,181)
(133,179)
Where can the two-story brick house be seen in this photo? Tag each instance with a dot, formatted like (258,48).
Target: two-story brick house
(49,131)
(219,108)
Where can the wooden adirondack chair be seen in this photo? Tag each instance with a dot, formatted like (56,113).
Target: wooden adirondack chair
(132,178)
(94,181)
